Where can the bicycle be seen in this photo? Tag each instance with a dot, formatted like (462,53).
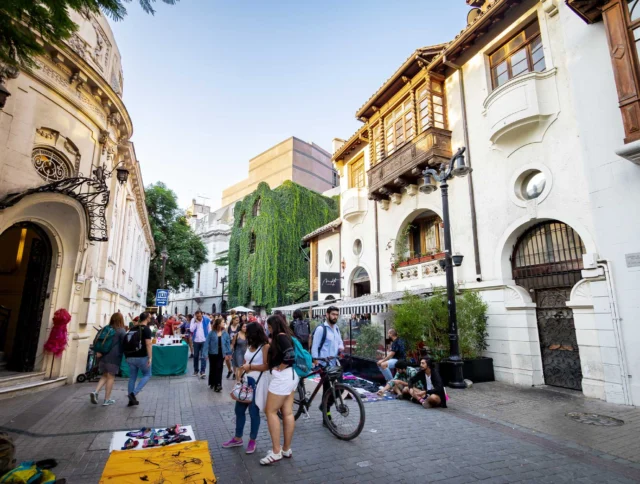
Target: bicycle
(338,423)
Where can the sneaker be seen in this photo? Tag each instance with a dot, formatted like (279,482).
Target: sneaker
(108,402)
(202,376)
(94,397)
(287,453)
(229,374)
(251,448)
(271,458)
(195,373)
(232,443)
(218,388)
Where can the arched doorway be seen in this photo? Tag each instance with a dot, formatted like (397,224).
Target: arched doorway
(547,260)
(25,264)
(360,283)
(213,308)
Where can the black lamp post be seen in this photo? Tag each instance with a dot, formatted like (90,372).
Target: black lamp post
(223,281)
(456,167)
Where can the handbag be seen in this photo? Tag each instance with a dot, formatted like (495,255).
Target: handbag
(242,391)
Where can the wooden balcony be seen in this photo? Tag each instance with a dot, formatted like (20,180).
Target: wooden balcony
(404,166)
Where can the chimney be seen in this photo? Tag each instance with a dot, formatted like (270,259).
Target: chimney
(336,144)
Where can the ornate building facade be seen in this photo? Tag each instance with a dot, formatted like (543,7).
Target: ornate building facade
(545,103)
(74,231)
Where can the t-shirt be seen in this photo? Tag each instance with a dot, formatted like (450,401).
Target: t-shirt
(398,349)
(284,344)
(146,334)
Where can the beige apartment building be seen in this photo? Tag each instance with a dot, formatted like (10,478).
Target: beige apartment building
(293,159)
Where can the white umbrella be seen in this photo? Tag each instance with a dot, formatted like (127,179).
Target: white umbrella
(242,309)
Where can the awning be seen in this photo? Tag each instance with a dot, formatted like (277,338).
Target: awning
(292,307)
(371,303)
(242,309)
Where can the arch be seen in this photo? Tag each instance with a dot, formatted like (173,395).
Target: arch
(421,233)
(360,282)
(213,308)
(51,164)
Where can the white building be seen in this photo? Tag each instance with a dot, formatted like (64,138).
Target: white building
(214,228)
(546,221)
(71,235)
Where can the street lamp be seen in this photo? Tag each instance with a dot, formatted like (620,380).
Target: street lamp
(457,167)
(223,281)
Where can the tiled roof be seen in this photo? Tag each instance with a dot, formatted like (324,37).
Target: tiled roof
(361,130)
(325,228)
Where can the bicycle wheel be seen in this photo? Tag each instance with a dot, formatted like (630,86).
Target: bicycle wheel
(299,400)
(347,412)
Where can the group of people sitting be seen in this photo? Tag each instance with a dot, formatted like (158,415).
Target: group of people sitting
(422,385)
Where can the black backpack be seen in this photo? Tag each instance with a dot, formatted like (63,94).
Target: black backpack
(302,330)
(133,341)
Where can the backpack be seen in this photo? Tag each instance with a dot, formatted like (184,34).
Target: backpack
(133,341)
(103,341)
(301,330)
(303,364)
(28,473)
(324,336)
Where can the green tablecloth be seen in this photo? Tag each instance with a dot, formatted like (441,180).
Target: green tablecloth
(167,361)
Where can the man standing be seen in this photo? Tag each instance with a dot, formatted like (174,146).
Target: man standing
(200,330)
(327,343)
(397,352)
(301,329)
(138,351)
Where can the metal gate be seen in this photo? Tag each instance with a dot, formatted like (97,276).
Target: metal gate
(547,261)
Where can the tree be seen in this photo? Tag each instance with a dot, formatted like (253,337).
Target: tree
(296,290)
(171,230)
(22,22)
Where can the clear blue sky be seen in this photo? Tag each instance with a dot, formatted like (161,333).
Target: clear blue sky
(210,84)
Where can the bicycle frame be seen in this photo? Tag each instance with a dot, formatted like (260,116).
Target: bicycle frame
(306,403)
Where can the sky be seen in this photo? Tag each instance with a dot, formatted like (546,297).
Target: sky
(210,84)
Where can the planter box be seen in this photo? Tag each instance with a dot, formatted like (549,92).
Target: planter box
(361,367)
(413,260)
(479,370)
(403,263)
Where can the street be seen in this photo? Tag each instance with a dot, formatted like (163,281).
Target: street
(492,433)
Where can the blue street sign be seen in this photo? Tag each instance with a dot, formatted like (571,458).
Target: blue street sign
(162,297)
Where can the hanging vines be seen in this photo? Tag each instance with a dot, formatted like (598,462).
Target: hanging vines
(261,273)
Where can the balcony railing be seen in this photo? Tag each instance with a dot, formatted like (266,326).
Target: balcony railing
(404,166)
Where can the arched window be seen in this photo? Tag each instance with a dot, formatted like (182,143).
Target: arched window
(50,165)
(426,235)
(213,308)
(252,243)
(242,220)
(186,310)
(256,207)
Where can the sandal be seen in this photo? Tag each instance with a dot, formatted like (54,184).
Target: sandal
(140,434)
(130,444)
(270,458)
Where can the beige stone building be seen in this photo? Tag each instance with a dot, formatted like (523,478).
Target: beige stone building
(74,230)
(293,159)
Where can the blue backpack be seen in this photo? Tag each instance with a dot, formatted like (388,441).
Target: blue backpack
(303,363)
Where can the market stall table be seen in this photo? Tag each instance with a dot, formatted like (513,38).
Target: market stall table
(169,360)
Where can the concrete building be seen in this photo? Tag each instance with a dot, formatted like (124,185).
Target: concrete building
(293,159)
(214,228)
(544,96)
(71,235)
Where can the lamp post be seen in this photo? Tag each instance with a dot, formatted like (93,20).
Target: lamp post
(223,281)
(456,167)
(164,255)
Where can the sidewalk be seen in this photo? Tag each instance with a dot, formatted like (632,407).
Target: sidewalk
(401,442)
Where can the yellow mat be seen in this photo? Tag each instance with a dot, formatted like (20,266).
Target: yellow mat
(184,463)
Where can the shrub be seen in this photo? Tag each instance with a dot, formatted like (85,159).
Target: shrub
(368,341)
(410,319)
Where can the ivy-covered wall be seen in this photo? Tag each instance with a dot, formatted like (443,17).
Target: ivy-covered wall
(286,215)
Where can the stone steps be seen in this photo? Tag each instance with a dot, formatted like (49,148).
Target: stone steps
(25,383)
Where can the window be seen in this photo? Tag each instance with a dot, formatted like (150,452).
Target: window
(399,126)
(356,174)
(256,207)
(521,54)
(376,143)
(335,180)
(426,236)
(215,278)
(531,185)
(252,243)
(242,220)
(198,281)
(357,247)
(328,258)
(431,91)
(50,165)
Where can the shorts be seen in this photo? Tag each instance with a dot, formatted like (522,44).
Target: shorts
(283,382)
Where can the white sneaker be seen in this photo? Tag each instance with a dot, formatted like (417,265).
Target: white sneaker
(94,397)
(270,458)
(287,453)
(108,402)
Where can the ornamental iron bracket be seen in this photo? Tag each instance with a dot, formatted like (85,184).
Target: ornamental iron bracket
(92,193)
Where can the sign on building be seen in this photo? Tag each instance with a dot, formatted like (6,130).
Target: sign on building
(330,282)
(162,297)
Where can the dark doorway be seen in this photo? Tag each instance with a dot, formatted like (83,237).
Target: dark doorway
(361,283)
(213,308)
(547,260)
(25,264)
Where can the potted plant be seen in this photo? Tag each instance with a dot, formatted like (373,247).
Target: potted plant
(399,258)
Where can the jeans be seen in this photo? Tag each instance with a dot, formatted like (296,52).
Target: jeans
(199,358)
(241,418)
(135,364)
(386,372)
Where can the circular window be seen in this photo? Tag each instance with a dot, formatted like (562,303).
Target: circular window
(328,257)
(533,185)
(50,165)
(357,247)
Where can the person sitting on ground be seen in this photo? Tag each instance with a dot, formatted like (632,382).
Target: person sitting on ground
(397,352)
(404,373)
(428,376)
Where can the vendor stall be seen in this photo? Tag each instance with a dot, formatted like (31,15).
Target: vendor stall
(168,360)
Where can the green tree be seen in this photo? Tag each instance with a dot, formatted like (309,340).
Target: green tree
(296,290)
(171,231)
(410,320)
(23,22)
(369,341)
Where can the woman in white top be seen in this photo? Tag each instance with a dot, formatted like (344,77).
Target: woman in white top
(255,362)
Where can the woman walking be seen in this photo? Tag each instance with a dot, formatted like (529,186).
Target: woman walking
(284,381)
(234,328)
(255,362)
(218,347)
(109,364)
(239,345)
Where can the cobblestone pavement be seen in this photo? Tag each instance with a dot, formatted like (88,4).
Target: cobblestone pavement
(401,442)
